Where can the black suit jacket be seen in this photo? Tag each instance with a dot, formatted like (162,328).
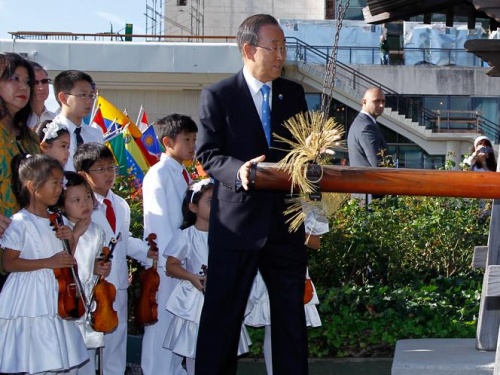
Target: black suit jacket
(230,134)
(365,143)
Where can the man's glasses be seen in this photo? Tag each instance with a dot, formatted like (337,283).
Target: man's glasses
(90,96)
(114,168)
(44,81)
(281,49)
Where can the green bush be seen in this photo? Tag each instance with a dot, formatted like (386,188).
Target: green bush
(398,240)
(400,269)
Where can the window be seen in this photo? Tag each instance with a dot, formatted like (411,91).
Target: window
(181,3)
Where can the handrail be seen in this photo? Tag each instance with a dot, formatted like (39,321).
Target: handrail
(54,35)
(361,82)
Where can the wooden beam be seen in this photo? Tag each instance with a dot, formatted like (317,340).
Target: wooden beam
(391,181)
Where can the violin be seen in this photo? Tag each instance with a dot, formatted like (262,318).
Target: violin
(146,311)
(71,300)
(308,291)
(104,318)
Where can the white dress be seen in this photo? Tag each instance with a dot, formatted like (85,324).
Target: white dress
(186,302)
(258,312)
(33,337)
(88,248)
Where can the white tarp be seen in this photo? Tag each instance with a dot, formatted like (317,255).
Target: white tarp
(439,45)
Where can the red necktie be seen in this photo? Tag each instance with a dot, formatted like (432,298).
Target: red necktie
(186,177)
(110,214)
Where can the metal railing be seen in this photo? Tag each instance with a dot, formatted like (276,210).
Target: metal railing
(355,55)
(354,80)
(117,37)
(411,108)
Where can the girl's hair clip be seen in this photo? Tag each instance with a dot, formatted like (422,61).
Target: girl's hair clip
(64,183)
(52,129)
(196,187)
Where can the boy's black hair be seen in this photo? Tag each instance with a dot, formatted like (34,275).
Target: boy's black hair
(36,168)
(173,125)
(65,81)
(87,154)
(73,179)
(38,129)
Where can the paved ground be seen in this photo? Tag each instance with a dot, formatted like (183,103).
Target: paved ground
(250,366)
(368,366)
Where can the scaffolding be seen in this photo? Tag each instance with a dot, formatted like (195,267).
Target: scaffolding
(156,19)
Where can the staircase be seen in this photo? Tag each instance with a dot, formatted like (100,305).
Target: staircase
(402,115)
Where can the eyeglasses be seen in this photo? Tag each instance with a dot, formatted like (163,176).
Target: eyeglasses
(102,170)
(282,49)
(44,81)
(90,96)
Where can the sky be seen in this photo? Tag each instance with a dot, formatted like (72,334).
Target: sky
(76,16)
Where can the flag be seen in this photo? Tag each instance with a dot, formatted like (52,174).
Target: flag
(98,121)
(135,151)
(110,113)
(123,158)
(150,142)
(142,120)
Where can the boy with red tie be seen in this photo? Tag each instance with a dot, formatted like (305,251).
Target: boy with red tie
(95,162)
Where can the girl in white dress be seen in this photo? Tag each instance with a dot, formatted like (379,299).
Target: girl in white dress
(258,311)
(34,338)
(54,140)
(187,256)
(77,204)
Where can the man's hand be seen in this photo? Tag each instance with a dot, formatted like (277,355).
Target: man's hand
(244,171)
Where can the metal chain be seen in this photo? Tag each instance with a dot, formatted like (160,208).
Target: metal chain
(331,66)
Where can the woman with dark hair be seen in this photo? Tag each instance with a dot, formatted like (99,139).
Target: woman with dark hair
(16,90)
(482,158)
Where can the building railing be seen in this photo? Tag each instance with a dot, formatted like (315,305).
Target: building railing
(403,56)
(117,37)
(411,108)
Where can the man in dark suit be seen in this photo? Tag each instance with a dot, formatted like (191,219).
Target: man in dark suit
(365,143)
(248,229)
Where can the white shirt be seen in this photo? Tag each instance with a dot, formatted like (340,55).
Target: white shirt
(163,191)
(255,85)
(88,134)
(126,245)
(34,119)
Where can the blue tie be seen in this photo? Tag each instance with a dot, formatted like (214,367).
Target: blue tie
(266,112)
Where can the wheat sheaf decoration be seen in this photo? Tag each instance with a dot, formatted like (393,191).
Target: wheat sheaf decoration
(313,137)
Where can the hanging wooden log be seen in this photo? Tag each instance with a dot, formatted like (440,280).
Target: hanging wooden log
(391,181)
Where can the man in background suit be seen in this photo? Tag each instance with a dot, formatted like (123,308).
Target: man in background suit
(248,229)
(365,143)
